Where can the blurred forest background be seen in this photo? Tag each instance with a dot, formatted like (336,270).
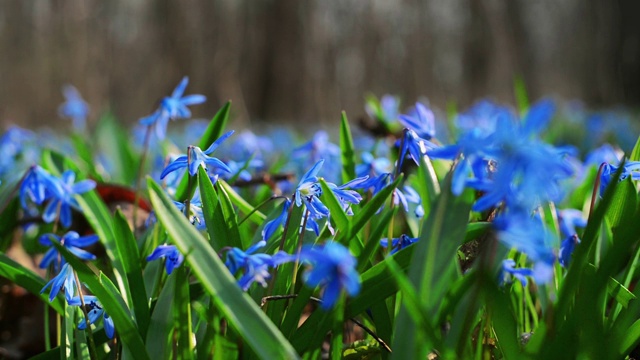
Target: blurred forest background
(304,61)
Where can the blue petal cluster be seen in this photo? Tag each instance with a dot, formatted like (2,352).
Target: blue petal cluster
(198,158)
(173,257)
(72,241)
(255,267)
(74,108)
(171,108)
(332,268)
(95,310)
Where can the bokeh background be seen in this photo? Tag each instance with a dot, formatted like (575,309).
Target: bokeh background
(302,62)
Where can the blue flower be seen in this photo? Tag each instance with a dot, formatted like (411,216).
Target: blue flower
(569,219)
(631,168)
(36,186)
(309,191)
(566,249)
(196,215)
(255,266)
(528,235)
(508,268)
(398,244)
(199,158)
(74,108)
(271,226)
(171,108)
(421,120)
(372,166)
(62,192)
(414,145)
(173,257)
(333,268)
(72,242)
(94,310)
(64,280)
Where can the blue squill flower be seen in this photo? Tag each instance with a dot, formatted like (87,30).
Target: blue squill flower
(421,120)
(254,266)
(65,280)
(332,268)
(631,168)
(199,158)
(527,234)
(171,108)
(569,219)
(72,242)
(604,154)
(173,257)
(62,197)
(271,226)
(398,244)
(415,146)
(373,166)
(94,311)
(566,249)
(309,191)
(36,186)
(509,268)
(74,108)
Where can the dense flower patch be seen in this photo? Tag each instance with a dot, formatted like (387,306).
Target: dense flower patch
(411,231)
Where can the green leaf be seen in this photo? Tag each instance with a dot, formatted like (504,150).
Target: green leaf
(429,187)
(182,315)
(122,157)
(130,256)
(635,153)
(211,134)
(238,308)
(623,204)
(112,302)
(434,265)
(521,95)
(159,340)
(335,209)
(619,292)
(256,216)
(100,219)
(348,153)
(18,274)
(225,207)
(359,220)
(216,226)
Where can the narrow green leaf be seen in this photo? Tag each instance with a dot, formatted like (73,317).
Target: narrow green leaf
(211,134)
(256,216)
(619,292)
(215,224)
(231,221)
(130,256)
(429,187)
(373,242)
(337,213)
(112,302)
(623,204)
(360,219)
(18,274)
(348,153)
(520,90)
(434,265)
(100,219)
(635,153)
(159,337)
(240,311)
(182,315)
